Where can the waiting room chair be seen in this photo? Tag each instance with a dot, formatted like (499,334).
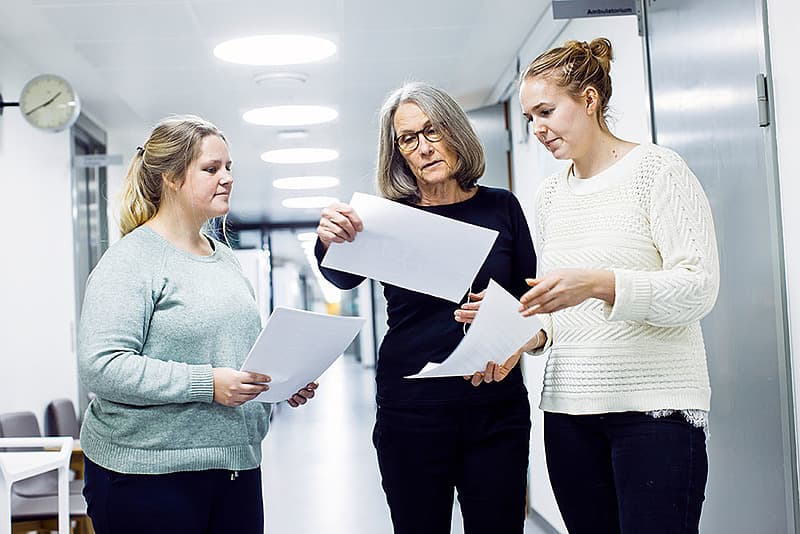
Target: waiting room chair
(60,419)
(34,505)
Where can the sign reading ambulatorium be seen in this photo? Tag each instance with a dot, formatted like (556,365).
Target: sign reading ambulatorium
(576,9)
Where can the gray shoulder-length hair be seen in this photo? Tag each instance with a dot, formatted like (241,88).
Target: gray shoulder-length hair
(395,179)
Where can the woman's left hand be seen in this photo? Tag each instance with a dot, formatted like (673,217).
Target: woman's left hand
(302,396)
(494,372)
(564,288)
(467,312)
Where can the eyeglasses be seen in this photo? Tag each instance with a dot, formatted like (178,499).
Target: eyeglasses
(408,142)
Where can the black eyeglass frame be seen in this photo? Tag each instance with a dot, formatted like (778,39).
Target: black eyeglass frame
(439,137)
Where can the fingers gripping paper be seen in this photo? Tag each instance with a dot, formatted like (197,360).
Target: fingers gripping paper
(412,248)
(296,347)
(497,332)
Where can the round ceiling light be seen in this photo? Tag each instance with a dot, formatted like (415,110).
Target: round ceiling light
(308,202)
(305,182)
(290,115)
(299,155)
(275,50)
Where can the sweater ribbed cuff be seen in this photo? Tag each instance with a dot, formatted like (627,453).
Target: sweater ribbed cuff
(547,326)
(201,383)
(632,297)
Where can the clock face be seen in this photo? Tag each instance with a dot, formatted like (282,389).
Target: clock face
(49,102)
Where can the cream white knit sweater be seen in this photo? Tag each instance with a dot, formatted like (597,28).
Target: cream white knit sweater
(647,219)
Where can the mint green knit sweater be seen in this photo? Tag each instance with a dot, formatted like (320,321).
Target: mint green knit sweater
(155,320)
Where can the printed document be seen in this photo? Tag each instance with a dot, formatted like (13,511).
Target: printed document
(296,347)
(412,249)
(496,333)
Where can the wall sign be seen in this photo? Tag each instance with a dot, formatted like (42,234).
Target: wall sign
(576,9)
(98,160)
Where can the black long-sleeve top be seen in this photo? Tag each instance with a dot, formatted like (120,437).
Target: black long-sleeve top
(421,328)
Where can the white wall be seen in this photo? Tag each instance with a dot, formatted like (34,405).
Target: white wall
(532,163)
(37,357)
(782,20)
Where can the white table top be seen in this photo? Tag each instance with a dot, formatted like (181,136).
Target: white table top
(16,465)
(20,465)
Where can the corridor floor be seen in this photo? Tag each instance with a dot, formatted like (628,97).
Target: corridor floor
(319,467)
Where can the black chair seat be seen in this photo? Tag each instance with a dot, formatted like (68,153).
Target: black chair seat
(24,508)
(44,485)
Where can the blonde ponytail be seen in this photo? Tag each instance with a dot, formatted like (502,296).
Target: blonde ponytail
(139,202)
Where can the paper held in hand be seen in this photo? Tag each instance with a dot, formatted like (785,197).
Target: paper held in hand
(413,249)
(496,333)
(296,347)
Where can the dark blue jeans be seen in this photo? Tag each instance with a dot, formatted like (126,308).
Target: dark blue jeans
(626,473)
(189,502)
(482,451)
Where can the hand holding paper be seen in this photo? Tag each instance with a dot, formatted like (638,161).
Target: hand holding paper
(296,347)
(396,239)
(338,223)
(498,331)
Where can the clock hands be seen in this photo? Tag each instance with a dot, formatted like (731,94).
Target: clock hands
(47,103)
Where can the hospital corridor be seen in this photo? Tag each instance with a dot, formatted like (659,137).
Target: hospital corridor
(399,267)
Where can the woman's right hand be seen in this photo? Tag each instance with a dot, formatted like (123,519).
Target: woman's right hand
(339,223)
(234,388)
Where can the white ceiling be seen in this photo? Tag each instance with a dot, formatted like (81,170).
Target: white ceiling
(134,62)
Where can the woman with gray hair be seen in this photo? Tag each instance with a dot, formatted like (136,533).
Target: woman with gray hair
(441,435)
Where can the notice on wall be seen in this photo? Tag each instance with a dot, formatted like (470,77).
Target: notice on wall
(576,9)
(98,160)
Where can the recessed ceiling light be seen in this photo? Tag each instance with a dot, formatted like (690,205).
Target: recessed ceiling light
(272,78)
(299,155)
(308,202)
(307,236)
(290,115)
(293,134)
(275,49)
(305,182)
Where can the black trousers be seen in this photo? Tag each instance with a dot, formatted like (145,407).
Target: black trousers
(426,453)
(626,473)
(189,502)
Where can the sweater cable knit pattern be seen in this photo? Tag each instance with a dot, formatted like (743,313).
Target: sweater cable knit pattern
(649,222)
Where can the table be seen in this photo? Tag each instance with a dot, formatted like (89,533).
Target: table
(18,465)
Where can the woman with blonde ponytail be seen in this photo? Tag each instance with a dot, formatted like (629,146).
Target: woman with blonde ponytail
(628,267)
(170,440)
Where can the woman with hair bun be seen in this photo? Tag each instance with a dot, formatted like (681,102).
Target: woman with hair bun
(628,266)
(171,442)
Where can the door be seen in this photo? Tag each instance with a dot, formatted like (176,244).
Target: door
(491,125)
(89,214)
(704,59)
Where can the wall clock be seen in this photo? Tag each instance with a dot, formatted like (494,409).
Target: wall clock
(48,102)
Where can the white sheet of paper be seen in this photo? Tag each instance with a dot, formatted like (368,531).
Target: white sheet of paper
(412,248)
(296,347)
(497,331)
